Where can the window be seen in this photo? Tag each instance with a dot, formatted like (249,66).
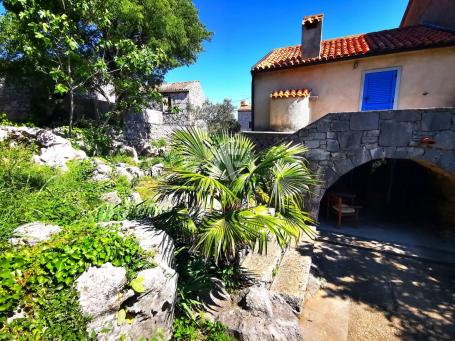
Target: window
(379,90)
(167,104)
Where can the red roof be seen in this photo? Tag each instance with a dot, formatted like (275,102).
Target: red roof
(290,93)
(382,42)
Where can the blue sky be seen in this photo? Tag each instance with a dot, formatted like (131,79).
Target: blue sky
(245,30)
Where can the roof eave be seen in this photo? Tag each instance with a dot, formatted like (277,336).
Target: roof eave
(359,56)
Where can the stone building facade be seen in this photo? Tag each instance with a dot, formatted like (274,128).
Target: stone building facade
(162,119)
(340,142)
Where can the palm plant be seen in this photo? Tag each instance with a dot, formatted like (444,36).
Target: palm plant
(226,196)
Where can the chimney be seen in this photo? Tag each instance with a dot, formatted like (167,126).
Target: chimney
(311,36)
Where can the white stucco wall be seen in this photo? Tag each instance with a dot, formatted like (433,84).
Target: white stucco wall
(289,114)
(427,79)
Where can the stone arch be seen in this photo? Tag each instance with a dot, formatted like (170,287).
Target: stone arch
(330,173)
(341,142)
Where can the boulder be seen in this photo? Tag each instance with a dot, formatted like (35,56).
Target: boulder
(102,171)
(157,170)
(130,172)
(148,150)
(111,198)
(25,134)
(33,233)
(46,139)
(105,291)
(100,290)
(135,198)
(150,239)
(129,151)
(58,155)
(55,150)
(261,315)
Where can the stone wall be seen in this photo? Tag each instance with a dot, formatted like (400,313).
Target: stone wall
(264,139)
(340,142)
(140,128)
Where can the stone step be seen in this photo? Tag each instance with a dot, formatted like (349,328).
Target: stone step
(260,268)
(292,276)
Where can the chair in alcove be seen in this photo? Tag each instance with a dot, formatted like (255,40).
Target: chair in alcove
(342,209)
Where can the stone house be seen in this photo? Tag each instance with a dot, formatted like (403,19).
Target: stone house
(376,112)
(161,119)
(407,67)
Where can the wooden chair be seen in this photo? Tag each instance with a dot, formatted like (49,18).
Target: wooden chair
(342,209)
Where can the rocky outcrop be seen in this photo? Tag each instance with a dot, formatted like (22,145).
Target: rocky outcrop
(55,151)
(259,314)
(117,311)
(33,233)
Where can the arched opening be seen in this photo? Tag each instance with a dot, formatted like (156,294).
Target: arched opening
(391,196)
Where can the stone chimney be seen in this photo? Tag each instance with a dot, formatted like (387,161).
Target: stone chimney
(311,36)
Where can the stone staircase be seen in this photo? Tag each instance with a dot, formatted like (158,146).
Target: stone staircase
(283,272)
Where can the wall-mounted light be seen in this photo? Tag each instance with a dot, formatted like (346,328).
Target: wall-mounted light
(356,65)
(427,140)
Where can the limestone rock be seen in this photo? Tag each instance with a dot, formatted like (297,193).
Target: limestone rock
(58,155)
(130,172)
(46,139)
(261,315)
(135,198)
(100,290)
(33,233)
(25,134)
(104,291)
(151,239)
(111,198)
(150,151)
(102,171)
(157,170)
(129,151)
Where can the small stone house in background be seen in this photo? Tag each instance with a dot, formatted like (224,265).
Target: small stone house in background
(180,95)
(161,119)
(412,66)
(244,116)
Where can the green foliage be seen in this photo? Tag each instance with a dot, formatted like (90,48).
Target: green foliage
(84,45)
(159,143)
(218,116)
(39,277)
(200,329)
(92,137)
(30,192)
(5,121)
(227,196)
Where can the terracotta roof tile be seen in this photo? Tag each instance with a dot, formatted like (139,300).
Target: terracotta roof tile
(176,86)
(290,93)
(389,41)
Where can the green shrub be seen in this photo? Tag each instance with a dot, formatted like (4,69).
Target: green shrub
(39,278)
(30,192)
(199,330)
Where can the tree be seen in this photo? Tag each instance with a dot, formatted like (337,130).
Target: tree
(218,116)
(92,45)
(227,196)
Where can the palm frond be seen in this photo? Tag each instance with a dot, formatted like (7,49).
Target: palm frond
(192,145)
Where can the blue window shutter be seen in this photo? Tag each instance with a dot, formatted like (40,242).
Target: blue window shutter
(379,90)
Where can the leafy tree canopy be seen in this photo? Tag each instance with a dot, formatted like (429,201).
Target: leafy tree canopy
(86,45)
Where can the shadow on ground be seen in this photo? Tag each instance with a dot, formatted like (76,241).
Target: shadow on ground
(417,298)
